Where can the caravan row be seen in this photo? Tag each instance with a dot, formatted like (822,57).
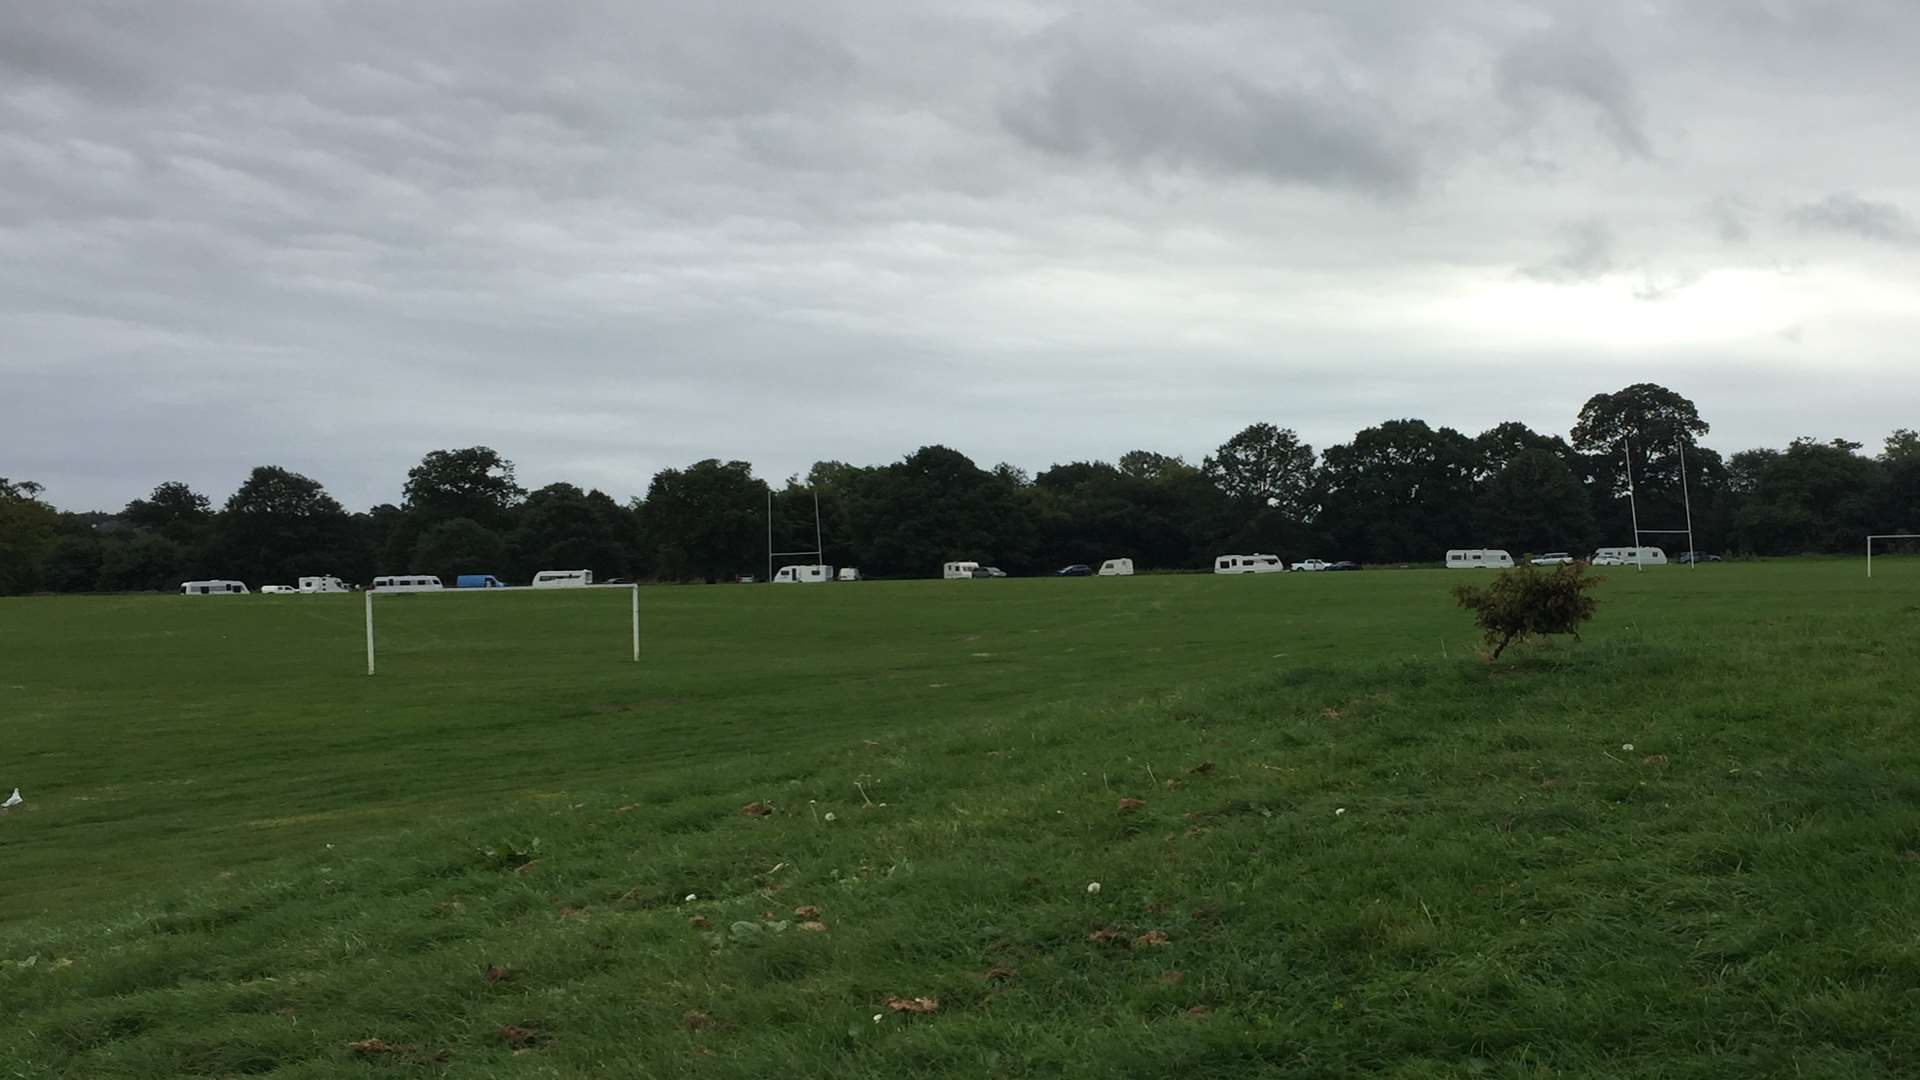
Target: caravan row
(1497,559)
(813,573)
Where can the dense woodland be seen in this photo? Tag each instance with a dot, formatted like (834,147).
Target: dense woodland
(1402,491)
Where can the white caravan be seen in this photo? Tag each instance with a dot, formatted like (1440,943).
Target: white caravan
(216,587)
(406,583)
(562,579)
(849,573)
(1478,559)
(959,571)
(1116,568)
(1249,564)
(803,574)
(325,583)
(1630,556)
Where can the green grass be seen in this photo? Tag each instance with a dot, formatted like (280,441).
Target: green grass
(240,854)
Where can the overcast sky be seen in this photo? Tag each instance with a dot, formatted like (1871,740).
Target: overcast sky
(335,236)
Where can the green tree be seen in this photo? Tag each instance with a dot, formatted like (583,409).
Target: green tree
(1264,467)
(143,562)
(1400,491)
(280,525)
(174,510)
(1814,496)
(27,530)
(562,527)
(705,522)
(474,483)
(459,546)
(1535,504)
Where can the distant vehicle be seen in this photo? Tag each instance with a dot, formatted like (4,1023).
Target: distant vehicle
(216,587)
(1249,564)
(618,581)
(1551,558)
(1116,568)
(407,583)
(849,573)
(1078,569)
(562,579)
(803,574)
(1686,558)
(959,571)
(990,572)
(746,579)
(478,581)
(1478,559)
(325,583)
(1629,556)
(280,590)
(1344,565)
(1306,565)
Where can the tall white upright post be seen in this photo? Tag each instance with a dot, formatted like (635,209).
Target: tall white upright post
(636,623)
(1639,563)
(1686,499)
(369,631)
(769,532)
(819,549)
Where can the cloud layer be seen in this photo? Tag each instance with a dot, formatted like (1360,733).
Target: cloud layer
(335,236)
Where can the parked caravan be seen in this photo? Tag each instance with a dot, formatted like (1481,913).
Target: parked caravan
(1629,556)
(216,587)
(1116,568)
(959,571)
(562,579)
(407,583)
(279,590)
(803,574)
(1478,559)
(478,581)
(849,573)
(324,583)
(1249,564)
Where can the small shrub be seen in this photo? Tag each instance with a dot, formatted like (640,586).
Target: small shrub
(1527,600)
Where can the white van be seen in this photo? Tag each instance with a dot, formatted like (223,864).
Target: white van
(1249,564)
(802,574)
(406,583)
(959,571)
(562,579)
(1478,559)
(1629,556)
(849,573)
(216,587)
(325,583)
(1116,568)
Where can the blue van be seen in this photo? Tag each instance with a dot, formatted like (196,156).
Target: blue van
(478,581)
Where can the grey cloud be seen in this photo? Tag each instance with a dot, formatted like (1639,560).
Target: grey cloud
(1098,94)
(1569,63)
(1586,253)
(1853,215)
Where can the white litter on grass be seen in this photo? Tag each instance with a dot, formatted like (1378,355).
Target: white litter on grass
(1339,811)
(1626,746)
(830,816)
(13,800)
(691,897)
(1093,888)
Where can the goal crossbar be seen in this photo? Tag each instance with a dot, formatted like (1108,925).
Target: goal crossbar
(633,589)
(1885,536)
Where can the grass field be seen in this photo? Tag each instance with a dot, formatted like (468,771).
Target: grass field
(1686,846)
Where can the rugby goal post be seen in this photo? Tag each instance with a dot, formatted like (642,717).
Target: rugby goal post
(1885,536)
(634,590)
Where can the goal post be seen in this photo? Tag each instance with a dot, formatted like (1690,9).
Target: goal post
(1884,536)
(633,606)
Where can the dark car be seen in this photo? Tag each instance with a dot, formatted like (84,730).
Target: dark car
(1687,557)
(1344,565)
(1076,570)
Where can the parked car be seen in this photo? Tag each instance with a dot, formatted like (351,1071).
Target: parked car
(279,589)
(989,572)
(1343,565)
(1686,557)
(1312,564)
(1551,558)
(1078,569)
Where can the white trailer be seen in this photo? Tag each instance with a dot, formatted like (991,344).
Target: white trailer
(1249,564)
(562,579)
(804,573)
(215,587)
(323,583)
(959,571)
(849,573)
(1629,556)
(1116,568)
(1478,559)
(397,583)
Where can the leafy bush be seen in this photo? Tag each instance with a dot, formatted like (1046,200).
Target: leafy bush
(1527,600)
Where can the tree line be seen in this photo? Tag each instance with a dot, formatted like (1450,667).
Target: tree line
(1401,491)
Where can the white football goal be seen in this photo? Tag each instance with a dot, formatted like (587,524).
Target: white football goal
(1885,537)
(632,589)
